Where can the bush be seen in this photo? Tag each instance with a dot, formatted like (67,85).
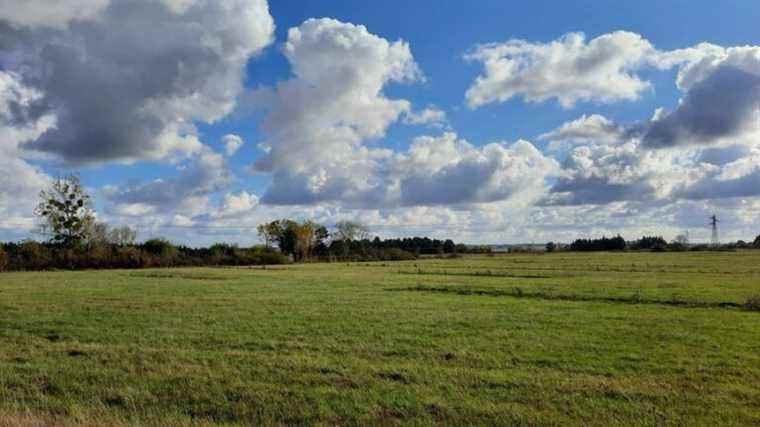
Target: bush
(130,257)
(3,259)
(164,254)
(396,254)
(31,255)
(752,303)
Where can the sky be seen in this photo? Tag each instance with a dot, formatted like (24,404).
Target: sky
(486,122)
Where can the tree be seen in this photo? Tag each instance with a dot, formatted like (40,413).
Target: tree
(96,233)
(351,231)
(122,236)
(66,212)
(347,232)
(551,247)
(308,235)
(293,238)
(268,233)
(757,242)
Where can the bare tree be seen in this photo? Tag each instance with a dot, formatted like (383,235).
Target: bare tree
(122,236)
(97,233)
(347,232)
(351,231)
(66,212)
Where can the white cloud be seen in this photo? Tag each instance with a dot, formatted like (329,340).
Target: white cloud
(334,102)
(234,205)
(321,121)
(232,144)
(207,174)
(132,83)
(569,69)
(450,171)
(721,100)
(431,115)
(20,181)
(586,129)
(52,14)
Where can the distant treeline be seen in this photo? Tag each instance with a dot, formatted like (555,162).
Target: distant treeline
(31,255)
(651,243)
(392,249)
(291,241)
(350,241)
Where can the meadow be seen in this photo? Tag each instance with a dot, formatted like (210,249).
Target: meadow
(552,339)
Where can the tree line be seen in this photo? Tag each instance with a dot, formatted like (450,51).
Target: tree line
(351,241)
(650,243)
(74,239)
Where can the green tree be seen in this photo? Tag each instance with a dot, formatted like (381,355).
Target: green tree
(66,212)
(293,238)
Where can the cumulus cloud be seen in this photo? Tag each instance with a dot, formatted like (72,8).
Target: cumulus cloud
(569,70)
(601,174)
(625,170)
(232,144)
(721,100)
(334,101)
(704,149)
(321,121)
(586,129)
(431,115)
(207,174)
(20,181)
(51,14)
(449,171)
(127,80)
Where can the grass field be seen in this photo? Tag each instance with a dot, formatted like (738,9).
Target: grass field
(596,339)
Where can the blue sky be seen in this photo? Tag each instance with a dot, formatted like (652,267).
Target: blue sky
(160,165)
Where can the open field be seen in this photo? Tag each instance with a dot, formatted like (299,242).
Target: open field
(512,339)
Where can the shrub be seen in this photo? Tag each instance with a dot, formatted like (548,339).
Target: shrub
(396,254)
(31,255)
(159,247)
(164,254)
(269,257)
(752,303)
(3,259)
(130,257)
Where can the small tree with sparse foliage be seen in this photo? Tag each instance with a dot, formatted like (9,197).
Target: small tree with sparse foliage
(122,236)
(66,213)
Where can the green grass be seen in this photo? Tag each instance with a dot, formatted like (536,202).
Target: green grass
(557,339)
